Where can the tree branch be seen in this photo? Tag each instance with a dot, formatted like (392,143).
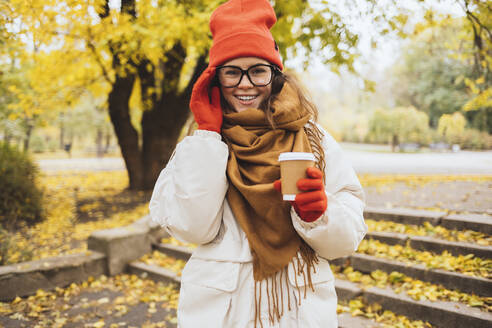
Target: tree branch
(472,18)
(97,57)
(172,69)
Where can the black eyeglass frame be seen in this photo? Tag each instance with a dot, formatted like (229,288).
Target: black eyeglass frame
(274,68)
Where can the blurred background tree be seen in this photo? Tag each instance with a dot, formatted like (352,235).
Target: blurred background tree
(428,77)
(141,57)
(156,49)
(399,125)
(446,66)
(451,127)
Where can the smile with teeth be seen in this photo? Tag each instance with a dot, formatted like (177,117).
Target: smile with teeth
(246,98)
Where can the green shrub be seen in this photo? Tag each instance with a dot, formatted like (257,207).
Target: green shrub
(41,144)
(20,198)
(400,125)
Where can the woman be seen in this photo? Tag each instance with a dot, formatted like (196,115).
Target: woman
(260,261)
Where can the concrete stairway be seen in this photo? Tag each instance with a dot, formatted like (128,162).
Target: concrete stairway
(438,313)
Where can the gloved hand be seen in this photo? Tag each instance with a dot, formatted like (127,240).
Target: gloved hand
(207,113)
(312,202)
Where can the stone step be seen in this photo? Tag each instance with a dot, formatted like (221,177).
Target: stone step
(180,252)
(346,320)
(475,222)
(24,279)
(403,215)
(454,247)
(450,280)
(431,244)
(438,313)
(390,238)
(154,272)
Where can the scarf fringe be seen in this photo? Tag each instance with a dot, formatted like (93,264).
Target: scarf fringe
(303,265)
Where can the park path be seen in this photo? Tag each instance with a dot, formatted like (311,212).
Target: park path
(364,159)
(464,162)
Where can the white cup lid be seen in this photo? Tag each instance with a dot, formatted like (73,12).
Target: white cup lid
(296,156)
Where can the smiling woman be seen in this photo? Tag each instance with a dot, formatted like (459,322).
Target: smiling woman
(260,261)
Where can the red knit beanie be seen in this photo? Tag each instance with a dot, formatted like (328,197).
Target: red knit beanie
(241,28)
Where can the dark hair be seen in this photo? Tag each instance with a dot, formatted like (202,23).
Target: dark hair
(312,130)
(278,82)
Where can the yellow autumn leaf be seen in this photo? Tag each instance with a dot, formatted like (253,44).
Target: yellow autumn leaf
(480,80)
(99,324)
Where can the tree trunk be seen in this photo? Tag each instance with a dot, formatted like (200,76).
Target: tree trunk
(27,138)
(99,140)
(162,124)
(119,112)
(62,130)
(161,128)
(108,141)
(7,136)
(394,142)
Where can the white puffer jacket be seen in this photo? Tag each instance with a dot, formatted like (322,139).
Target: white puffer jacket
(217,288)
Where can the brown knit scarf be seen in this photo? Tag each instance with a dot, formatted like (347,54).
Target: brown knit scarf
(259,209)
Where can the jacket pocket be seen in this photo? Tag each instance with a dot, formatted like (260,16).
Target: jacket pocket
(213,274)
(317,308)
(206,292)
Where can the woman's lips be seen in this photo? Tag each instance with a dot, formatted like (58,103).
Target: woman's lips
(246,100)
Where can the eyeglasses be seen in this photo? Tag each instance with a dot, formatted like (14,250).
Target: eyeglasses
(259,75)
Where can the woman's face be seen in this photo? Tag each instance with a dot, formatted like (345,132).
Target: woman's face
(246,95)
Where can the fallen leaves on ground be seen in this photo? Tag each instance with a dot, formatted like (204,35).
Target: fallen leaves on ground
(97,302)
(175,242)
(76,204)
(386,180)
(416,289)
(466,264)
(165,261)
(374,311)
(430,230)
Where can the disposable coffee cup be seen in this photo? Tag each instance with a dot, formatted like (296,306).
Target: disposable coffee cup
(293,166)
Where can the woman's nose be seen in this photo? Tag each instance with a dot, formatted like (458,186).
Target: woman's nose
(245,83)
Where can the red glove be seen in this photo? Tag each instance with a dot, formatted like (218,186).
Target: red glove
(312,202)
(208,114)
